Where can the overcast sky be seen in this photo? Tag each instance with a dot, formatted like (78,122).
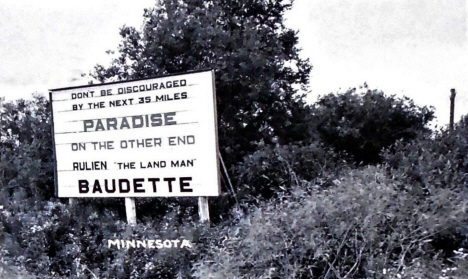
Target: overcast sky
(416,48)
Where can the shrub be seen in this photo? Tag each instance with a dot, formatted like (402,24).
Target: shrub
(54,239)
(363,124)
(354,229)
(440,160)
(274,169)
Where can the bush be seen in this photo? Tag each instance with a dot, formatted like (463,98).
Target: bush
(440,160)
(363,124)
(274,169)
(53,239)
(357,228)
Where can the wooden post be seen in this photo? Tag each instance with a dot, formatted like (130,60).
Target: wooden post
(228,179)
(1,131)
(130,209)
(203,210)
(452,106)
(71,201)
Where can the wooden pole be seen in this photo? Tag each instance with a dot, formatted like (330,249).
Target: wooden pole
(203,210)
(229,180)
(130,209)
(452,106)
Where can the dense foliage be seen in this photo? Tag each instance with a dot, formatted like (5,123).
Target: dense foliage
(65,241)
(254,55)
(362,124)
(438,160)
(274,169)
(363,226)
(26,161)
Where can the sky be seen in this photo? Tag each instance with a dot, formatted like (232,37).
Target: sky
(414,48)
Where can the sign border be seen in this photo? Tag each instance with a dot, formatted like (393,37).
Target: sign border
(53,145)
(124,81)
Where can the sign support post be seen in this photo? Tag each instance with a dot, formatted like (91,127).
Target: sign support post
(130,209)
(203,210)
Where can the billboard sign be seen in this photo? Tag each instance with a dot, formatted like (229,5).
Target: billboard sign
(145,138)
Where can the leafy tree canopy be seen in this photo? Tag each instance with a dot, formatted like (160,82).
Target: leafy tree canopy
(255,57)
(363,124)
(26,161)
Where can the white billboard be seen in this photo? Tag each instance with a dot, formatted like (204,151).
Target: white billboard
(145,138)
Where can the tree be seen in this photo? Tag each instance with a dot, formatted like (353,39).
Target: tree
(255,58)
(363,124)
(26,156)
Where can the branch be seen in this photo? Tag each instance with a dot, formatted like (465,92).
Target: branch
(338,252)
(358,260)
(335,271)
(94,275)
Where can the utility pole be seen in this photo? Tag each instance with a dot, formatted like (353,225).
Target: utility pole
(452,106)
